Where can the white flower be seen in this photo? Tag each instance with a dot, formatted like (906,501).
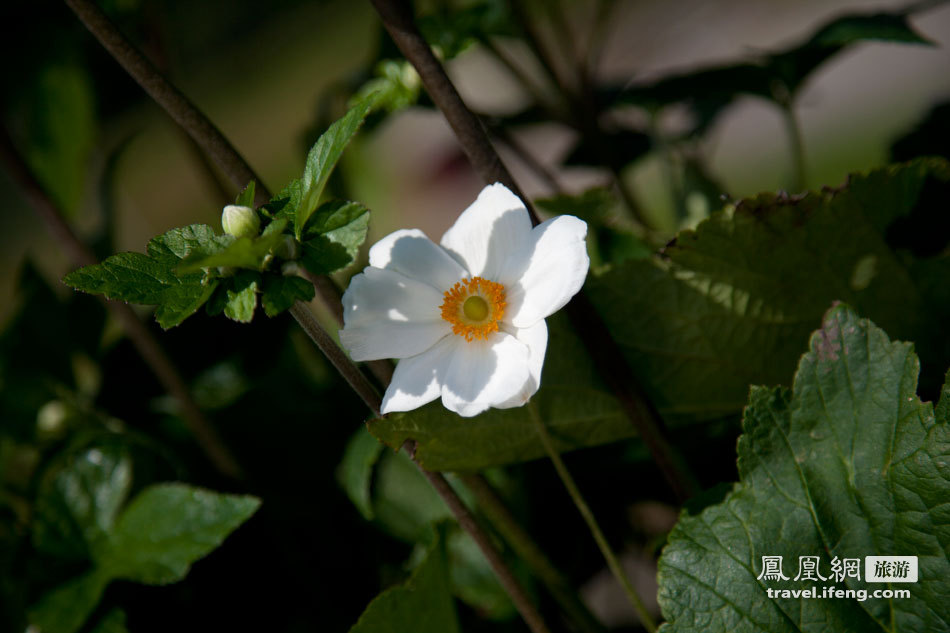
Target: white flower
(466,318)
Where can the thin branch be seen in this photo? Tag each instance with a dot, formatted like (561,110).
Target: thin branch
(797,146)
(468,523)
(524,155)
(347,368)
(399,22)
(140,336)
(612,562)
(524,546)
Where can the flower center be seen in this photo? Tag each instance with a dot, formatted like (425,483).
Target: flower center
(474,307)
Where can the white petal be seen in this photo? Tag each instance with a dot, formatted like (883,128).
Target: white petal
(388,315)
(418,380)
(414,255)
(493,228)
(484,373)
(536,338)
(555,271)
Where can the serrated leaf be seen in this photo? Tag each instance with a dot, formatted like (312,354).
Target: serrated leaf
(252,253)
(355,473)
(422,604)
(151,279)
(65,609)
(575,406)
(167,527)
(281,292)
(848,464)
(242,297)
(725,306)
(322,159)
(333,236)
(246,197)
(77,503)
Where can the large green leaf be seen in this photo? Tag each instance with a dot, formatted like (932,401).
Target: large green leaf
(323,157)
(422,604)
(848,464)
(577,410)
(152,279)
(333,236)
(728,303)
(167,527)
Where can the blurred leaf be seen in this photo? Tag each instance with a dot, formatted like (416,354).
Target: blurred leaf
(323,157)
(252,253)
(65,609)
(281,292)
(167,527)
(242,300)
(395,86)
(355,472)
(219,386)
(725,306)
(151,279)
(77,503)
(849,464)
(422,604)
(577,409)
(61,130)
(333,236)
(113,622)
(452,29)
(931,137)
(614,149)
(246,197)
(777,76)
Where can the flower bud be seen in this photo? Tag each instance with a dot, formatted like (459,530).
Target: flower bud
(240,221)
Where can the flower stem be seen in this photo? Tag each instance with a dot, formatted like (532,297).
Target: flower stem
(797,143)
(592,524)
(141,337)
(468,523)
(399,22)
(524,546)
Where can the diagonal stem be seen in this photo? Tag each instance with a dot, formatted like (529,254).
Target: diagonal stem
(399,22)
(148,347)
(524,546)
(465,519)
(612,562)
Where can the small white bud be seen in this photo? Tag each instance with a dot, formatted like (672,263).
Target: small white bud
(240,221)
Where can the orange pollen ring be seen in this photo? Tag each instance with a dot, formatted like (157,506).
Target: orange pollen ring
(462,321)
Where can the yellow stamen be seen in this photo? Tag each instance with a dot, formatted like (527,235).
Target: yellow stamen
(474,307)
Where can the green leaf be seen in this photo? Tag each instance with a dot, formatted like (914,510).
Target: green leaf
(252,253)
(242,299)
(849,463)
(333,236)
(355,472)
(396,86)
(65,609)
(167,527)
(77,503)
(113,622)
(281,292)
(422,604)
(453,29)
(61,128)
(577,409)
(322,159)
(725,305)
(246,197)
(152,279)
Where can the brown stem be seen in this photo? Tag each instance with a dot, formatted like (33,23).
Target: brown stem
(468,523)
(347,368)
(399,22)
(524,546)
(140,336)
